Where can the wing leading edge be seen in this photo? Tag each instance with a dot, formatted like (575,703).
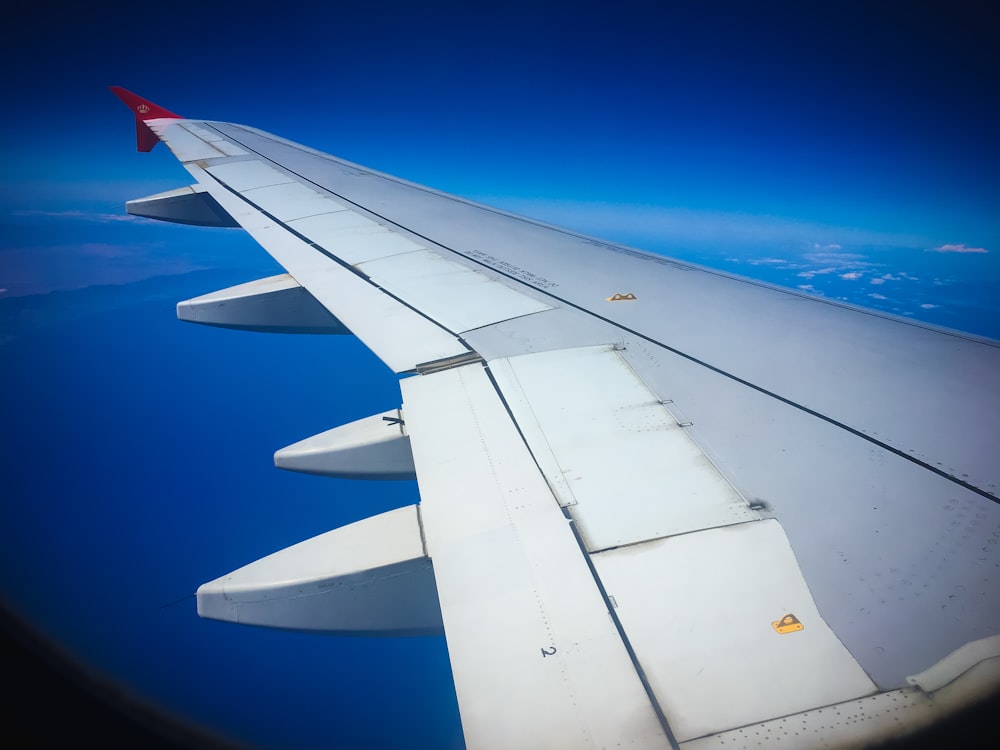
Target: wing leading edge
(638,523)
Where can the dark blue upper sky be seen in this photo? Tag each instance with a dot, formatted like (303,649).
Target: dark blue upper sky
(848,150)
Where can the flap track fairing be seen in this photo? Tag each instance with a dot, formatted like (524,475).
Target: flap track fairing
(186,205)
(277,304)
(369,578)
(375,447)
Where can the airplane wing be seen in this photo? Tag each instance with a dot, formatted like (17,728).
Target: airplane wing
(660,505)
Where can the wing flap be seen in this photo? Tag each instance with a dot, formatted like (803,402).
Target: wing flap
(725,593)
(613,453)
(457,296)
(291,201)
(352,237)
(526,622)
(241,176)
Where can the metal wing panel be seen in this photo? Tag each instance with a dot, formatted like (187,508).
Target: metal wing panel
(216,140)
(537,661)
(611,450)
(698,609)
(836,357)
(724,593)
(457,296)
(307,231)
(291,201)
(397,334)
(241,176)
(184,144)
(353,238)
(899,559)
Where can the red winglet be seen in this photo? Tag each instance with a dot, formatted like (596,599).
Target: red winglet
(143,109)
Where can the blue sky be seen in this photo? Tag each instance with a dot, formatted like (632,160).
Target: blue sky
(844,150)
(710,130)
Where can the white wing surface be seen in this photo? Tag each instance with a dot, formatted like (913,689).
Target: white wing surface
(660,506)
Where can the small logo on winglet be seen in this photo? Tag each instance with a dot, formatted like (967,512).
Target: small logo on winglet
(142,109)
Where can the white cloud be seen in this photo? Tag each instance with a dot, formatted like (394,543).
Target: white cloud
(829,261)
(876,281)
(873,295)
(960,247)
(767,261)
(928,306)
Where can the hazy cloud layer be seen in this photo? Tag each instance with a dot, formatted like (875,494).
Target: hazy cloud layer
(44,251)
(657,227)
(37,270)
(842,263)
(72,249)
(961,247)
